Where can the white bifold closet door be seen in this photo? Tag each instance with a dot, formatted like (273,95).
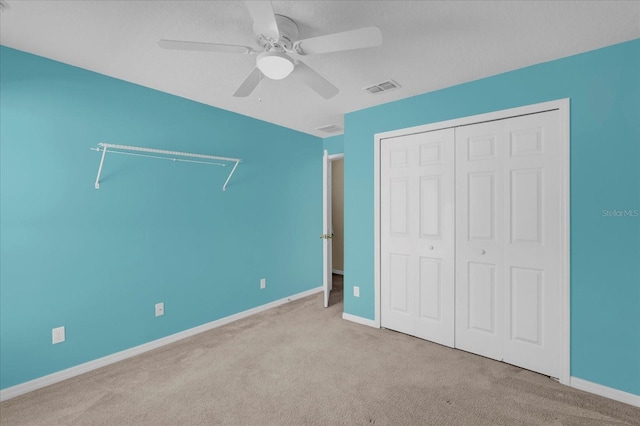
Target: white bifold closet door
(417,235)
(508,240)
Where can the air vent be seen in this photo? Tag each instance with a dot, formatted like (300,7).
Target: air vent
(382,87)
(330,128)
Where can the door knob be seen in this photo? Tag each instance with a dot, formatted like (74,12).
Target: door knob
(482,252)
(430,247)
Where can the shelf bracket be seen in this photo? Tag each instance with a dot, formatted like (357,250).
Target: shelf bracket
(104,153)
(224,187)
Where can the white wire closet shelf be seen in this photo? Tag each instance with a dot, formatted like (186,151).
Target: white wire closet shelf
(163,154)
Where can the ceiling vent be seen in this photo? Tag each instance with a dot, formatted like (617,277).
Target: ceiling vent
(330,128)
(382,87)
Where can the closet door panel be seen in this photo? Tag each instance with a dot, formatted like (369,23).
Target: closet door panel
(508,240)
(435,320)
(417,222)
(532,250)
(396,226)
(479,310)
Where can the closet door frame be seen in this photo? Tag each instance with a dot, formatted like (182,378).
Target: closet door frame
(563,106)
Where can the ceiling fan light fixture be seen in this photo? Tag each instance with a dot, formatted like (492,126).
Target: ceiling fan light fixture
(275,65)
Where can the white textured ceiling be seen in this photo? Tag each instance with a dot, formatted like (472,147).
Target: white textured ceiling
(427,45)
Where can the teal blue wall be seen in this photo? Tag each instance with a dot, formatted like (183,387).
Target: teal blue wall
(604,87)
(334,144)
(96,261)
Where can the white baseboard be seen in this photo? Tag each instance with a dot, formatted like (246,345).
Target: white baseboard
(359,320)
(607,392)
(337,271)
(59,376)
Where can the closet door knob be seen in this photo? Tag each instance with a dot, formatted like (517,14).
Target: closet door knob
(482,252)
(430,247)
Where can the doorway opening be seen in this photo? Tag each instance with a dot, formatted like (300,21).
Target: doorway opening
(332,223)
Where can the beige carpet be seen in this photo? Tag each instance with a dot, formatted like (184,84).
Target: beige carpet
(300,364)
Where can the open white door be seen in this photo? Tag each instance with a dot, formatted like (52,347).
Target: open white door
(327,233)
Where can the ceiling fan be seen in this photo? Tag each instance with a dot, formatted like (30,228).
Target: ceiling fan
(277,36)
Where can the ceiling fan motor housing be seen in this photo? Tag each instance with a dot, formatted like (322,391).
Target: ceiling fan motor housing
(288,35)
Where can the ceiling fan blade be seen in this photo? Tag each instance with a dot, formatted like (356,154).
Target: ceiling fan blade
(347,40)
(264,20)
(205,47)
(249,83)
(314,80)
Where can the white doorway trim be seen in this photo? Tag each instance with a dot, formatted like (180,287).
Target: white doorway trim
(563,106)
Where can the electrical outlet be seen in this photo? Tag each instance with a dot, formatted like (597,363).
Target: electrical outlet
(57,335)
(159,309)
(356,291)
(263,283)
